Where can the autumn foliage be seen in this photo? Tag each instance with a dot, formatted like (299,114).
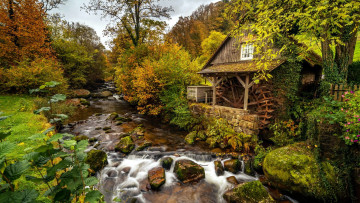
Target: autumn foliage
(149,75)
(23,32)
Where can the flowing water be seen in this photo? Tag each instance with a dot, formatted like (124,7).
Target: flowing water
(125,177)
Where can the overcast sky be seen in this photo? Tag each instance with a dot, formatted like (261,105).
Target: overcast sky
(72,12)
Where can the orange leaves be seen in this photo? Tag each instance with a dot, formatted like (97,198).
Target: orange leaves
(23,32)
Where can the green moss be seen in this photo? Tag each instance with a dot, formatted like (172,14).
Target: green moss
(294,168)
(190,138)
(252,192)
(123,119)
(166,162)
(80,137)
(97,159)
(126,145)
(106,128)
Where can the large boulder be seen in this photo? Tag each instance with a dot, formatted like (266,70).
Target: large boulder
(97,159)
(232,165)
(219,169)
(156,177)
(106,94)
(188,171)
(126,145)
(250,192)
(295,169)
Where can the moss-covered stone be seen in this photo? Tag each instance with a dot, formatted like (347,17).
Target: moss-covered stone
(106,128)
(98,114)
(80,137)
(123,119)
(188,171)
(232,165)
(143,145)
(113,116)
(119,123)
(156,177)
(248,166)
(219,169)
(250,192)
(97,159)
(294,168)
(84,102)
(93,139)
(126,145)
(98,128)
(166,162)
(232,180)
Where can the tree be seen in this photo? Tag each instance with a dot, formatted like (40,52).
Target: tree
(137,18)
(23,33)
(48,5)
(333,25)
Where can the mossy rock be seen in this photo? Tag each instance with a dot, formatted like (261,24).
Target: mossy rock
(232,165)
(293,168)
(248,166)
(98,128)
(126,145)
(219,168)
(84,102)
(166,162)
(97,159)
(98,114)
(113,116)
(93,139)
(188,171)
(250,192)
(156,177)
(123,119)
(80,137)
(106,128)
(119,123)
(143,145)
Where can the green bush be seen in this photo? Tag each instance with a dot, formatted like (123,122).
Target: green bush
(351,109)
(31,74)
(285,132)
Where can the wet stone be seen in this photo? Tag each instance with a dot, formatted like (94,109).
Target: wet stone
(232,180)
(188,171)
(112,173)
(166,162)
(156,177)
(219,169)
(232,165)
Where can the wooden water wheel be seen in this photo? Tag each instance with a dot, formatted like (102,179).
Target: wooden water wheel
(266,105)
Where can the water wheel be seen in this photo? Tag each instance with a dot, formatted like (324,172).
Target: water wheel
(266,106)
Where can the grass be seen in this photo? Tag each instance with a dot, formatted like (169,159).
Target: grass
(22,122)
(357,49)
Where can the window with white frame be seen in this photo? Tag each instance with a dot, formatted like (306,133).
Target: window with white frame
(247,51)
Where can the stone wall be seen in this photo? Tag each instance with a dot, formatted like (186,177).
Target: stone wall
(241,120)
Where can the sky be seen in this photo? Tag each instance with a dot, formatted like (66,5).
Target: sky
(71,11)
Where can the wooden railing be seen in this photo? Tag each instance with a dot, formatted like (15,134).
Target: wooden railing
(338,90)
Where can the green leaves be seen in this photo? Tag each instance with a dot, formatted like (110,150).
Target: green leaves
(14,171)
(24,196)
(93,196)
(41,110)
(69,143)
(6,147)
(57,98)
(52,84)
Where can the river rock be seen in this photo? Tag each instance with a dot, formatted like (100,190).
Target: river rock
(219,169)
(80,137)
(80,93)
(232,180)
(143,145)
(250,192)
(156,177)
(294,168)
(106,94)
(232,165)
(97,159)
(84,102)
(126,145)
(166,162)
(188,171)
(113,116)
(248,166)
(123,119)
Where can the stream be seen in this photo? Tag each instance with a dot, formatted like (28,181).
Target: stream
(125,178)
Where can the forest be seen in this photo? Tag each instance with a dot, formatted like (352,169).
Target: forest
(241,101)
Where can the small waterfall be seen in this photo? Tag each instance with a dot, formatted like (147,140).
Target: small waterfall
(126,178)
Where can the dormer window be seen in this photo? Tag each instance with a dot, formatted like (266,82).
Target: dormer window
(247,51)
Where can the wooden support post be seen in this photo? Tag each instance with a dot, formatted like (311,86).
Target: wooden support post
(214,91)
(246,98)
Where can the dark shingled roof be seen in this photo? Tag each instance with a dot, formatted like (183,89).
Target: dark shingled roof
(240,67)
